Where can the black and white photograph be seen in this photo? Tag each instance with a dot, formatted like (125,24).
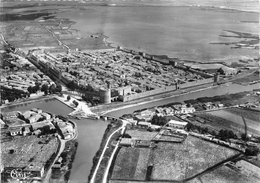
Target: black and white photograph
(129,91)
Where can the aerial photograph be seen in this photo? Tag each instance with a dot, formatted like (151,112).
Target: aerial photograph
(129,91)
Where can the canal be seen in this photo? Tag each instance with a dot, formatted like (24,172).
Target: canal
(91,131)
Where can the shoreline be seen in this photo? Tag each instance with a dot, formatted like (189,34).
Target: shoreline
(132,3)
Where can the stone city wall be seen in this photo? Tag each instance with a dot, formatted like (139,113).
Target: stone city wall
(166,89)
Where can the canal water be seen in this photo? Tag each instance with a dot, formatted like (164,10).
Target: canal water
(91,131)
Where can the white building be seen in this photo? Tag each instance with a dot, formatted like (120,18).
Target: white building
(177,124)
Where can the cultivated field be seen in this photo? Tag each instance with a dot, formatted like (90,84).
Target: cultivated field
(237,118)
(131,164)
(169,164)
(249,114)
(142,134)
(227,175)
(169,161)
(179,161)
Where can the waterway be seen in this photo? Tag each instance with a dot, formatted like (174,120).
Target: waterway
(89,138)
(91,131)
(179,32)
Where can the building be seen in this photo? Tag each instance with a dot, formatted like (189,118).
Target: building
(34,118)
(16,131)
(185,110)
(27,114)
(123,91)
(144,124)
(126,142)
(10,115)
(35,169)
(177,124)
(227,71)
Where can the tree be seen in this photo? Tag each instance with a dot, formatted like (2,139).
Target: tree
(76,103)
(58,88)
(189,126)
(68,98)
(44,88)
(244,137)
(251,151)
(30,89)
(37,86)
(52,89)
(158,120)
(72,85)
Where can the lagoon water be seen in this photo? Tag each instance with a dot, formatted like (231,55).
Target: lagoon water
(179,32)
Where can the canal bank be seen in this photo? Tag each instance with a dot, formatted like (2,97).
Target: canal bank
(209,92)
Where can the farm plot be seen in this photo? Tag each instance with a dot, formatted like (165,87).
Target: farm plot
(253,125)
(178,161)
(141,167)
(226,175)
(131,164)
(169,165)
(203,154)
(141,134)
(218,123)
(249,114)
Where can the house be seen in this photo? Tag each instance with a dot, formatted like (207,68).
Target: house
(177,124)
(208,105)
(144,124)
(37,132)
(35,169)
(155,127)
(10,115)
(46,116)
(28,114)
(26,131)
(34,118)
(126,142)
(16,131)
(227,70)
(185,109)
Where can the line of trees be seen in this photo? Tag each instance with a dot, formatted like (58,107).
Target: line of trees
(54,88)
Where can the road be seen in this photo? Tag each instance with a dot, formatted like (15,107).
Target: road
(113,154)
(3,38)
(103,152)
(48,174)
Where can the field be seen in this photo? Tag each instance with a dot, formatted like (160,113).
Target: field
(28,149)
(237,118)
(131,164)
(249,114)
(142,135)
(169,161)
(169,165)
(180,161)
(228,119)
(226,175)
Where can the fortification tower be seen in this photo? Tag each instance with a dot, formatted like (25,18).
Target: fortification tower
(216,77)
(105,94)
